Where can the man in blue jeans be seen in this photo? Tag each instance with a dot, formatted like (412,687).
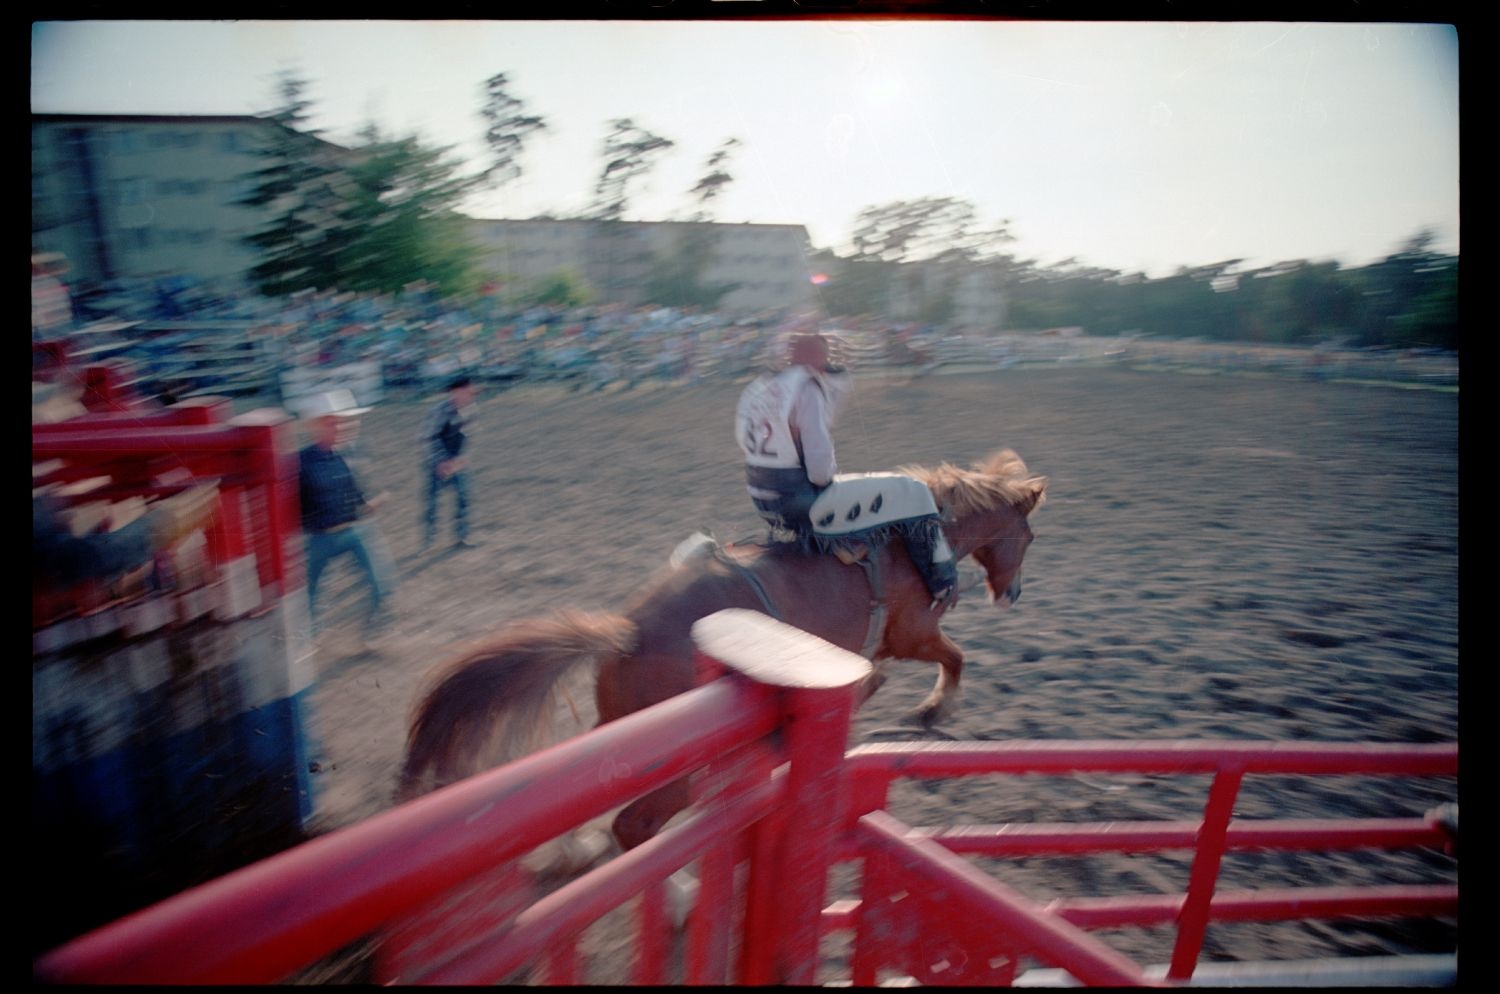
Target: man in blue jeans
(443,438)
(333,503)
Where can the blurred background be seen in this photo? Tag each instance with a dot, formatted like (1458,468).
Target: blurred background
(268,207)
(231,217)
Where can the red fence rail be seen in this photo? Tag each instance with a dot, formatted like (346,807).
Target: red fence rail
(873,768)
(782,799)
(149,452)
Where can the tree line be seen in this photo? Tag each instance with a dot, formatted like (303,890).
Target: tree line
(1408,299)
(384,213)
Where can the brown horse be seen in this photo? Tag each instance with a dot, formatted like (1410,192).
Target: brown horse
(495,703)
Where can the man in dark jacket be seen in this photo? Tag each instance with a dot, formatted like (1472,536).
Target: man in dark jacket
(443,438)
(333,503)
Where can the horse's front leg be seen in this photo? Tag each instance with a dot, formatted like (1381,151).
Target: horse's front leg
(871,682)
(644,817)
(950,659)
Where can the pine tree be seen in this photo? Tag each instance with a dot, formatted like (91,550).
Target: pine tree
(298,187)
(507,127)
(399,221)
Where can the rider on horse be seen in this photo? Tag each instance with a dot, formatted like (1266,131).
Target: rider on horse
(783,425)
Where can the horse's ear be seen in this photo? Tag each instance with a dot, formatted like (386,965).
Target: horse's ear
(1035,490)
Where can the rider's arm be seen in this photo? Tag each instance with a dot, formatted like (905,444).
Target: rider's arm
(810,417)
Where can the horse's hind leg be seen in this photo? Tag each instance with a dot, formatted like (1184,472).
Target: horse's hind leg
(621,689)
(939,704)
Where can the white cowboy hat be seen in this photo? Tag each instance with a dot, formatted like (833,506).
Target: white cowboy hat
(339,403)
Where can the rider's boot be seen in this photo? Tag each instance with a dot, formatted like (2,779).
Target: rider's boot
(934,561)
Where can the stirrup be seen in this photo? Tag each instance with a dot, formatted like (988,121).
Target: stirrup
(944,599)
(946,574)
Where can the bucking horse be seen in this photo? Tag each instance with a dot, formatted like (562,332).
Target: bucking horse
(496,701)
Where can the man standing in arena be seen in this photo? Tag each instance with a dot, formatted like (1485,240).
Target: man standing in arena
(333,504)
(444,435)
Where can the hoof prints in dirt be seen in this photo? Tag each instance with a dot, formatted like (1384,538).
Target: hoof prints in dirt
(1318,640)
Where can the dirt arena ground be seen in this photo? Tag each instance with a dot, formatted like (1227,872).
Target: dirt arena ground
(1233,557)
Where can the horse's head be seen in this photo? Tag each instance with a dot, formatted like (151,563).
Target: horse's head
(1001,558)
(986,509)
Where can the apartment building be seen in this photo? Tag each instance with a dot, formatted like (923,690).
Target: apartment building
(138,196)
(143,196)
(767,263)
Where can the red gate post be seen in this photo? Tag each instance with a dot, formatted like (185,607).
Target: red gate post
(1192,922)
(758,940)
(271,452)
(817,681)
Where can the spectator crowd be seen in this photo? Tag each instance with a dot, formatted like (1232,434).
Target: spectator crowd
(417,338)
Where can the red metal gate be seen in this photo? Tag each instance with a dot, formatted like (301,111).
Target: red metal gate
(782,802)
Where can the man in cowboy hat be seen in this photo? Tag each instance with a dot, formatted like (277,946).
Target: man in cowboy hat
(333,503)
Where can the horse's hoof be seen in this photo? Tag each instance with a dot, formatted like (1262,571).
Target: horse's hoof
(569,855)
(926,716)
(682,897)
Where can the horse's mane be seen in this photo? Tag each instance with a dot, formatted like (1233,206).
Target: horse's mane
(991,483)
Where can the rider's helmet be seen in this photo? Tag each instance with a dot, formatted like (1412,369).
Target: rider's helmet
(804,342)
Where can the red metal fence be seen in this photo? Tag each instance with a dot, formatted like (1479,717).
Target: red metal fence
(780,800)
(902,861)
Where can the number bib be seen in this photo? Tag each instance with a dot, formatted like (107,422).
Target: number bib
(763,419)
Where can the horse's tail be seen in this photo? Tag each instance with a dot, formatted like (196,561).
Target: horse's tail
(496,702)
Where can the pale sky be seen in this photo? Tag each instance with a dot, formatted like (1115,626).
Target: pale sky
(1131,146)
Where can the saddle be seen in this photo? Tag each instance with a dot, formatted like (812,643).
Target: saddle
(701,545)
(851,519)
(859,511)
(870,503)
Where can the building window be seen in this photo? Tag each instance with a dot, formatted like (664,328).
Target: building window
(129,192)
(238,190)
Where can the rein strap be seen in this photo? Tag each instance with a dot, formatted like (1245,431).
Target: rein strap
(869,563)
(750,578)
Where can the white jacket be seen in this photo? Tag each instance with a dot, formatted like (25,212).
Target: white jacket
(784,421)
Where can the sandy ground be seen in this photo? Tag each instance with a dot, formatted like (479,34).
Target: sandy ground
(1219,557)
